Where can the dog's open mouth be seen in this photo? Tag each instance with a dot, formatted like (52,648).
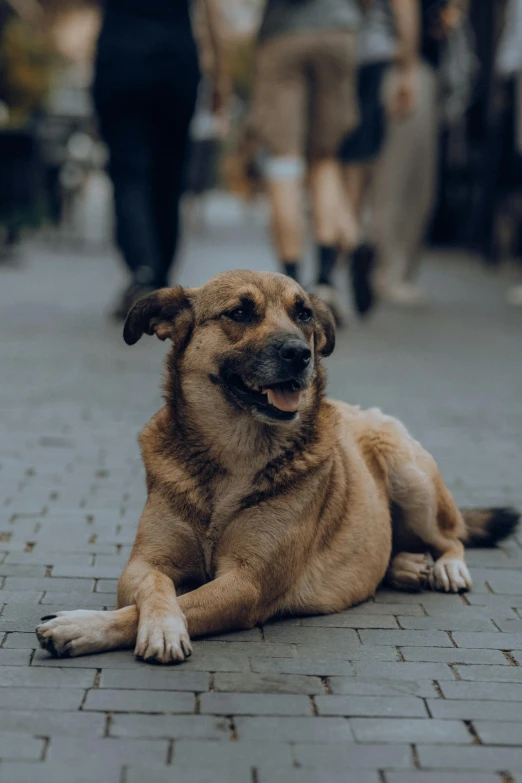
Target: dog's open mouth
(280,400)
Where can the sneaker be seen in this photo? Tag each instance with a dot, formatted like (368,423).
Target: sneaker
(514,296)
(406,294)
(361,269)
(327,294)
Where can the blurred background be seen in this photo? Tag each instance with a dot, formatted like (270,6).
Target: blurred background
(52,172)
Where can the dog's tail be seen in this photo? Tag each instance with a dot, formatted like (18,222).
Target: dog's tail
(488,526)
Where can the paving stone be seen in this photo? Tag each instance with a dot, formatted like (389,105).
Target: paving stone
(126,660)
(113,752)
(425,599)
(411,730)
(254,704)
(454,655)
(170,726)
(14,658)
(499,732)
(46,678)
(403,671)
(20,641)
(229,757)
(138,773)
(48,583)
(350,756)
(448,623)
(53,723)
(464,709)
(88,572)
(493,641)
(317,776)
(504,581)
(80,600)
(58,772)
(251,635)
(265,683)
(318,667)
(348,620)
(336,637)
(68,560)
(20,596)
(352,686)
(470,758)
(106,700)
(20,746)
(106,585)
(293,729)
(31,698)
(490,673)
(487,691)
(20,572)
(440,777)
(209,649)
(494,602)
(370,608)
(364,652)
(408,638)
(393,706)
(165,679)
(509,625)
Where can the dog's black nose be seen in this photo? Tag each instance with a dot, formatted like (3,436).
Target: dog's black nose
(296,352)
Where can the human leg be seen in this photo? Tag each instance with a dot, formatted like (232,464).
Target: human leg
(170,146)
(124,128)
(278,123)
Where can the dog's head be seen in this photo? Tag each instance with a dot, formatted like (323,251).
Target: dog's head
(256,337)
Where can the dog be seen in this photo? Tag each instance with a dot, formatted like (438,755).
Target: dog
(263,495)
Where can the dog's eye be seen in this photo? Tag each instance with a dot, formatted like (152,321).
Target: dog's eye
(305,315)
(239,314)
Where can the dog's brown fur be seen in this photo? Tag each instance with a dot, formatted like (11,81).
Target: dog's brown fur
(263,517)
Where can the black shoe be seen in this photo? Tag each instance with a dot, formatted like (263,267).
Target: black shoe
(130,296)
(361,270)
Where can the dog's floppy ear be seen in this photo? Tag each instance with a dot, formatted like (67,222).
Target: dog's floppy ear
(324,336)
(166,313)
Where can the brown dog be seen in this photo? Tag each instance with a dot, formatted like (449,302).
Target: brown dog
(265,495)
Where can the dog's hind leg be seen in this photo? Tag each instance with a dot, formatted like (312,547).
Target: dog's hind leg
(408,571)
(430,518)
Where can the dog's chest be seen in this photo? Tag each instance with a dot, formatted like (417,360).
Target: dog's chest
(228,496)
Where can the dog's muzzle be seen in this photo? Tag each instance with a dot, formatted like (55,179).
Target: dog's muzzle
(271,380)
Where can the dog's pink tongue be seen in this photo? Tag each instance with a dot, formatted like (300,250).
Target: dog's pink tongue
(283,399)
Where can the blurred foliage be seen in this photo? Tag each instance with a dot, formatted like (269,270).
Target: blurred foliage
(27,58)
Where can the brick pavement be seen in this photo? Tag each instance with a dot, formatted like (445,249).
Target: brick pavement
(405,689)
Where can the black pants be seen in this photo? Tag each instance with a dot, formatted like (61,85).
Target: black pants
(146,130)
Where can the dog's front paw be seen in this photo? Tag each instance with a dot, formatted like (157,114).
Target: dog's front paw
(450,575)
(79,632)
(164,640)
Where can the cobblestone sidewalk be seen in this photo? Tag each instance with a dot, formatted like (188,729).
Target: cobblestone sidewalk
(420,688)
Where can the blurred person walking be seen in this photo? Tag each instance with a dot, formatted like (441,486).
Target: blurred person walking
(146,80)
(405,177)
(304,103)
(505,148)
(389,33)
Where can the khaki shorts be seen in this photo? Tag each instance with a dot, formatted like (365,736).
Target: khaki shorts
(305,93)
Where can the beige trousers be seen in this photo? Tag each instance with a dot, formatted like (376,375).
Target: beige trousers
(404,184)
